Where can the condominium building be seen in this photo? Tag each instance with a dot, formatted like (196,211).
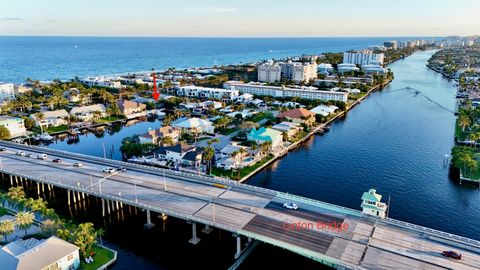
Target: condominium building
(281,91)
(299,71)
(207,92)
(7,91)
(363,57)
(269,72)
(341,68)
(374,69)
(325,68)
(101,82)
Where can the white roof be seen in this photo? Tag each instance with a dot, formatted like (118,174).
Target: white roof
(324,109)
(285,126)
(54,114)
(88,109)
(193,122)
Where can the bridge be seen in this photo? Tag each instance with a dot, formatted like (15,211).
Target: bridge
(336,236)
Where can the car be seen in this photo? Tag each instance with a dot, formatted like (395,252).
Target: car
(3,149)
(29,155)
(452,254)
(121,169)
(108,170)
(57,160)
(290,205)
(42,156)
(77,164)
(20,153)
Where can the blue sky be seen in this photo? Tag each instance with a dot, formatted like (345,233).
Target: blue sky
(257,18)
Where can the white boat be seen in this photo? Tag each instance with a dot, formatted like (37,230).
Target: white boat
(45,137)
(160,114)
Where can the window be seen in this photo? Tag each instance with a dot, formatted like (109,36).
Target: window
(70,257)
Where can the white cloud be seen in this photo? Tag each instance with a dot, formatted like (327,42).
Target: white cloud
(221,9)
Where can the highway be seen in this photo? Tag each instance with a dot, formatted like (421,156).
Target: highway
(367,243)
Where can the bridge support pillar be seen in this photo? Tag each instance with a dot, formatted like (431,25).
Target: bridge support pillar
(194,239)
(149,223)
(68,197)
(207,229)
(239,247)
(103,207)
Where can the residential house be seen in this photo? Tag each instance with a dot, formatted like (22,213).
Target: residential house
(15,125)
(50,253)
(51,118)
(263,134)
(194,125)
(299,115)
(228,159)
(132,109)
(181,154)
(73,95)
(324,110)
(155,136)
(86,113)
(289,128)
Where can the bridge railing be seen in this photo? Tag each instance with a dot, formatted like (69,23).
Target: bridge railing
(419,228)
(122,199)
(191,177)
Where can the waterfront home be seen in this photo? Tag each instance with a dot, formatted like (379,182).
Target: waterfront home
(289,128)
(372,205)
(50,253)
(263,135)
(15,125)
(155,136)
(324,110)
(132,109)
(86,113)
(181,154)
(51,118)
(229,157)
(300,116)
(194,125)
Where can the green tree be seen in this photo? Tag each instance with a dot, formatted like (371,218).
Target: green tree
(207,156)
(7,227)
(4,133)
(24,220)
(85,237)
(464,121)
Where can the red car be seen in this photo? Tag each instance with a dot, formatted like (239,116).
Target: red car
(452,254)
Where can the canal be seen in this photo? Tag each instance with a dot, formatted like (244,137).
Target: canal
(395,141)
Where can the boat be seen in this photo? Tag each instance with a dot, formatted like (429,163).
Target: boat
(45,137)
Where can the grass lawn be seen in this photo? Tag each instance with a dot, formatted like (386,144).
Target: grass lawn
(243,172)
(260,116)
(102,256)
(110,119)
(472,175)
(56,129)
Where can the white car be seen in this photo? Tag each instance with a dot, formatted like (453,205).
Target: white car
(77,164)
(42,156)
(20,153)
(291,206)
(108,170)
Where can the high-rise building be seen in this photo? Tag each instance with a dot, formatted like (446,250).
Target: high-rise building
(269,72)
(392,44)
(7,91)
(299,72)
(364,57)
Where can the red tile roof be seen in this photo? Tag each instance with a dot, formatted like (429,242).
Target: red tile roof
(296,113)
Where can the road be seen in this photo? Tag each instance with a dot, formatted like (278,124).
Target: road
(251,211)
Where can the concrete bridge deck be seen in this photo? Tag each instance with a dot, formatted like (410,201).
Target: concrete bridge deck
(258,213)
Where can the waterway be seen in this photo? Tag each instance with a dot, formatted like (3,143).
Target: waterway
(395,141)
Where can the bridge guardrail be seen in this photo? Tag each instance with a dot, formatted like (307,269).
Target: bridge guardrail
(122,199)
(463,240)
(167,172)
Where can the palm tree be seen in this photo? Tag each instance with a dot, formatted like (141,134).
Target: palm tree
(24,220)
(207,156)
(96,115)
(7,227)
(464,121)
(40,117)
(168,120)
(265,147)
(167,140)
(213,141)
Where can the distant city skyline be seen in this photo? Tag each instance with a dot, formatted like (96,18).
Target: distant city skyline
(247,18)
